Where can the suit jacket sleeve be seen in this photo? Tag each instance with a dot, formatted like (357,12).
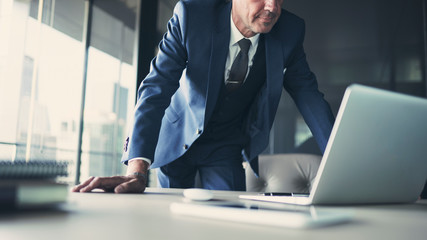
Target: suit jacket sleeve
(156,90)
(302,85)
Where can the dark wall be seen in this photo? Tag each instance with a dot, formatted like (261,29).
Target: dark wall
(373,42)
(380,43)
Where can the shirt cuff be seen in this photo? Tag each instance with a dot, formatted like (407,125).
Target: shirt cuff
(139,159)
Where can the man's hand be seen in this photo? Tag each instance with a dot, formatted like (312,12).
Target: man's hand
(117,184)
(134,182)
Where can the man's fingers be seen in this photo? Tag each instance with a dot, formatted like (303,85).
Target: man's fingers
(118,184)
(132,186)
(105,183)
(82,185)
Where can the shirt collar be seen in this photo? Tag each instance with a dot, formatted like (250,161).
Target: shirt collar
(237,36)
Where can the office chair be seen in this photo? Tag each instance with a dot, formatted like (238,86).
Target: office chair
(283,173)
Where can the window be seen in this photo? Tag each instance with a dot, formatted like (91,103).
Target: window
(45,84)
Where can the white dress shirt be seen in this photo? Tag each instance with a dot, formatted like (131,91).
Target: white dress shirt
(234,49)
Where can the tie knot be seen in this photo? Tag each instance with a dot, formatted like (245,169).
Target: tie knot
(244,45)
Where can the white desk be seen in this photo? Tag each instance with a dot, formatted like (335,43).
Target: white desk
(147,216)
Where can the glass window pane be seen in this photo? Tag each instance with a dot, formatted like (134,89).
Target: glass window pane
(14,69)
(41,72)
(110,89)
(41,81)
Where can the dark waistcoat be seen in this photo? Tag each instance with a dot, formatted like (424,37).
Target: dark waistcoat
(226,124)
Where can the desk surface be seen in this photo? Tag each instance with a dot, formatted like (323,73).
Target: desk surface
(147,216)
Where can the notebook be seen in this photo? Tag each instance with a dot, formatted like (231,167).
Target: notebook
(376,153)
(32,185)
(32,169)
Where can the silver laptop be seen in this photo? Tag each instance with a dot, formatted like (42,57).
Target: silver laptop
(377,152)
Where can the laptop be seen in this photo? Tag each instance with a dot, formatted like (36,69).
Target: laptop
(376,154)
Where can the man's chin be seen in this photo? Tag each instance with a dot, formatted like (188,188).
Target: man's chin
(264,27)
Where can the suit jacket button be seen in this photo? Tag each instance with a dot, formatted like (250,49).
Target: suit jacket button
(126,144)
(185,146)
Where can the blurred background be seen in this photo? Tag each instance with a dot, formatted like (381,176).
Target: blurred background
(69,70)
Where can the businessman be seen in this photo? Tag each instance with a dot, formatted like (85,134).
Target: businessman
(210,99)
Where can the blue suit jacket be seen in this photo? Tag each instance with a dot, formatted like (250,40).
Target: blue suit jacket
(178,96)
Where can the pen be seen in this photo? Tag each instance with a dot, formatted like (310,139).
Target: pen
(284,194)
(276,194)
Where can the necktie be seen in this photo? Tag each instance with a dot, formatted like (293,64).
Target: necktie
(239,67)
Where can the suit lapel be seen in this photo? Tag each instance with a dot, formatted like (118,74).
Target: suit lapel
(220,40)
(274,66)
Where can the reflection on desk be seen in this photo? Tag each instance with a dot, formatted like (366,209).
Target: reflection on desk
(147,216)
